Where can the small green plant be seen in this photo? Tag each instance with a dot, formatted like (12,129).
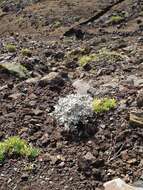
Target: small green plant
(11,48)
(103,54)
(56,24)
(103,105)
(16,146)
(86,59)
(115,19)
(76,53)
(2,152)
(26,52)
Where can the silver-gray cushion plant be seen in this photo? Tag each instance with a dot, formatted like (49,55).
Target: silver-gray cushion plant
(72,110)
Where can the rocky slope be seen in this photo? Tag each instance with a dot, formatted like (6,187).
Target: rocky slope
(49,38)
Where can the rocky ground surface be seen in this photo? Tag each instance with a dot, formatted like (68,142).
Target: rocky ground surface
(57,33)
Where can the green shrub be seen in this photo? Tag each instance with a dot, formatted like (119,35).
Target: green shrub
(11,48)
(103,105)
(16,146)
(26,52)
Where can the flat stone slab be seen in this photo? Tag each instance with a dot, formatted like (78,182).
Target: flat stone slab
(81,87)
(118,184)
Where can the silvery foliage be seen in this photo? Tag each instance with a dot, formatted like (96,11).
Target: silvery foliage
(72,110)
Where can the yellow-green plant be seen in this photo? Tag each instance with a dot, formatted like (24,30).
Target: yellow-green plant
(103,54)
(11,48)
(16,146)
(56,24)
(86,59)
(116,19)
(103,105)
(26,52)
(108,55)
(2,152)
(76,53)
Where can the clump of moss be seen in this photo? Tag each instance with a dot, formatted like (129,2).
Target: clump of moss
(103,105)
(26,52)
(115,19)
(17,147)
(76,53)
(11,48)
(103,54)
(15,69)
(108,55)
(86,59)
(56,24)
